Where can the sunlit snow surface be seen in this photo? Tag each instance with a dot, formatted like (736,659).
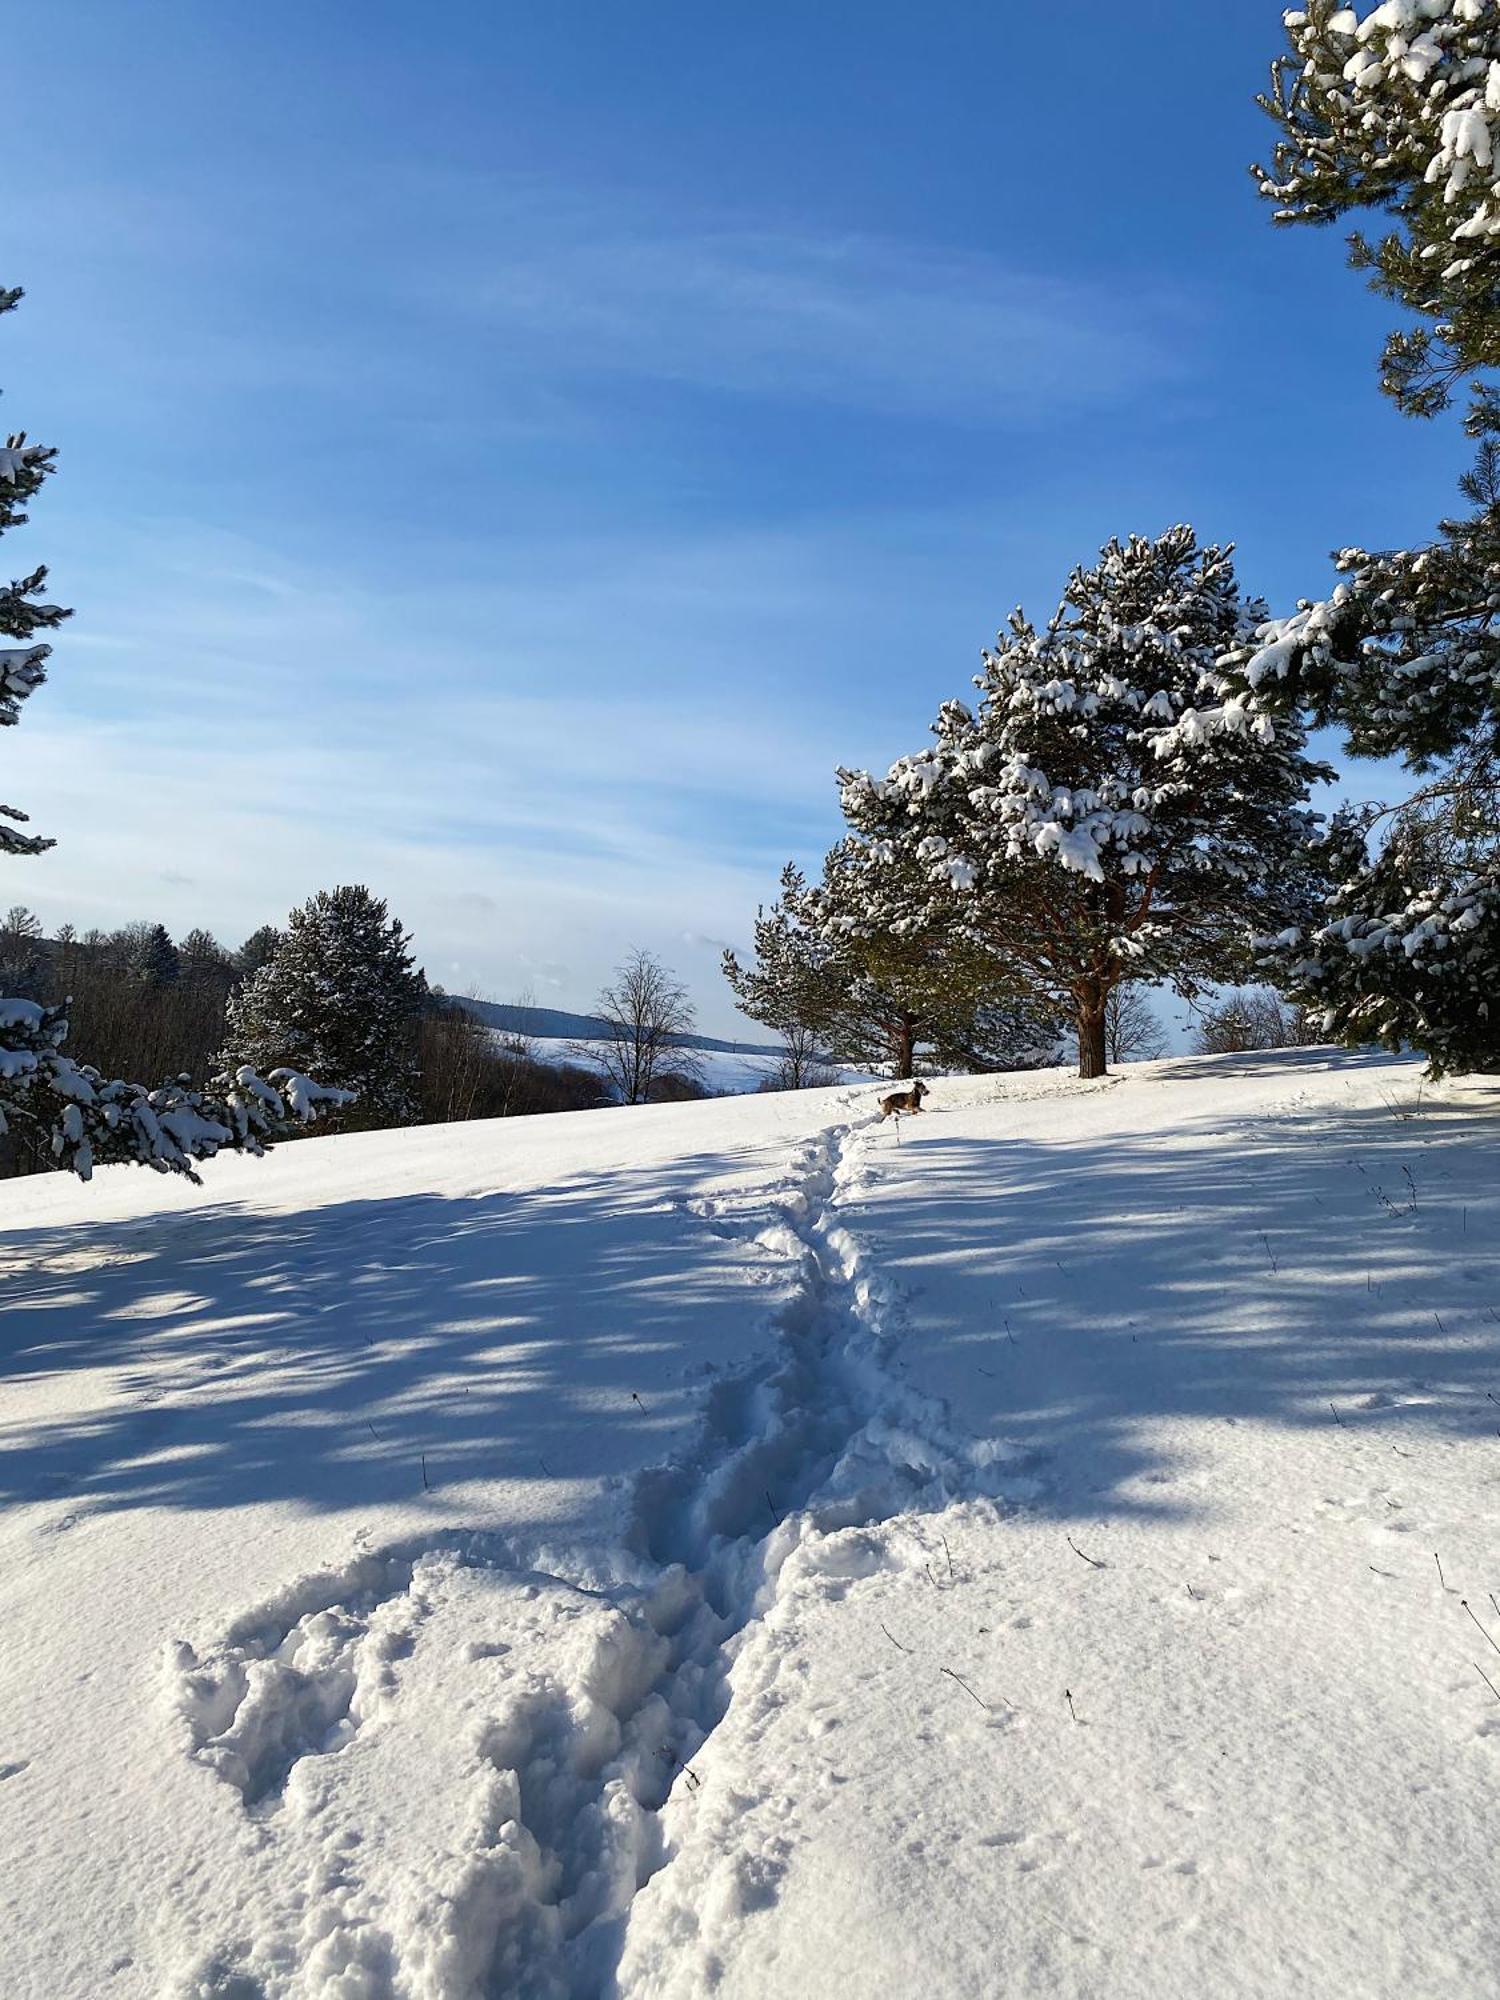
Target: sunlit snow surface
(742,1548)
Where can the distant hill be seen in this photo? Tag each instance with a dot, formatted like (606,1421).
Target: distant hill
(549,1024)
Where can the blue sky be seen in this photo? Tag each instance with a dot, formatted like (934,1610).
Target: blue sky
(511,454)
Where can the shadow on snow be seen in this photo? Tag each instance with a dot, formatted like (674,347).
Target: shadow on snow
(1307,1267)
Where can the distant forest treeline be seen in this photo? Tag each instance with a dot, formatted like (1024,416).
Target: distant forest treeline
(145,1003)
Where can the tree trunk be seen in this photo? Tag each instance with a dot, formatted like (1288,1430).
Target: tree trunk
(905,1043)
(1093,1052)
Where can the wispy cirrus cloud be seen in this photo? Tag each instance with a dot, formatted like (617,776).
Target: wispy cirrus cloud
(862,322)
(513,282)
(586,748)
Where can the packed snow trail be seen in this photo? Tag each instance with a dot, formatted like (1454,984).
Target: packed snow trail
(718,1550)
(1212,1713)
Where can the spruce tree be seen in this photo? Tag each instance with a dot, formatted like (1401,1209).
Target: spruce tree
(1109,810)
(160,964)
(341,998)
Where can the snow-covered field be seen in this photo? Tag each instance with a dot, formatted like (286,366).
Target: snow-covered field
(735,1548)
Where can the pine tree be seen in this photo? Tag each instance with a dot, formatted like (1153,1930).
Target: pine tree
(257,950)
(203,961)
(1399,112)
(827,963)
(23,467)
(1405,658)
(795,982)
(1110,810)
(340,997)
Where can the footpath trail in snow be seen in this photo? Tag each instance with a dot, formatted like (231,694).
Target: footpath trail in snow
(1048,1549)
(538,1704)
(1210,1713)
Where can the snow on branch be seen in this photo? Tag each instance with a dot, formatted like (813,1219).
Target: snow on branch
(81,1119)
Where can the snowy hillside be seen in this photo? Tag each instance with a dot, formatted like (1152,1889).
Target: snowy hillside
(740,1548)
(553,1024)
(723,1072)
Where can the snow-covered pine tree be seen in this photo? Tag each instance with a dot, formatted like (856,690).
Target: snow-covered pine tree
(1397,110)
(341,998)
(793,982)
(23,613)
(826,961)
(68,1113)
(57,1109)
(1109,810)
(1405,658)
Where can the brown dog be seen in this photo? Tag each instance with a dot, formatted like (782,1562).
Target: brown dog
(903,1100)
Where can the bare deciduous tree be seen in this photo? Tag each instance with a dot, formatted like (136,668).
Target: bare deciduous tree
(1251,1019)
(516,1053)
(1132,1032)
(648,1013)
(803,1062)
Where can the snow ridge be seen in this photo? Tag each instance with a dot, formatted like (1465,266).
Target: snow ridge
(548,1702)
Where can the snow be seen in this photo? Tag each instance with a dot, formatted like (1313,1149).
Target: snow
(742,1548)
(15,459)
(723,1072)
